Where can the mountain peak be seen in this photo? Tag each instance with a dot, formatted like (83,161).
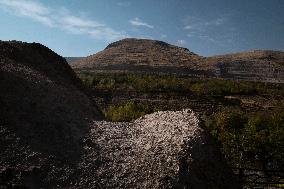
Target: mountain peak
(145,42)
(141,52)
(135,41)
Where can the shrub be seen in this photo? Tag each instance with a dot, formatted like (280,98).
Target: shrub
(129,111)
(254,139)
(170,83)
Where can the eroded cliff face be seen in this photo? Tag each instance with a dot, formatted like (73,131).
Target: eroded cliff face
(266,66)
(140,55)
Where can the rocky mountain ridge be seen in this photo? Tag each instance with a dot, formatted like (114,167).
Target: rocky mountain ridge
(151,56)
(140,52)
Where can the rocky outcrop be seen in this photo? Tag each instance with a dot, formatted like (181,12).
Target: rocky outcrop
(160,150)
(44,113)
(267,66)
(140,55)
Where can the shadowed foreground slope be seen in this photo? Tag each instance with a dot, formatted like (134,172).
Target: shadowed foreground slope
(44,112)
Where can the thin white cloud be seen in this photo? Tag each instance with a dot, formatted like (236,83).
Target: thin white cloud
(29,9)
(190,35)
(207,37)
(163,36)
(137,22)
(198,28)
(187,27)
(60,19)
(195,23)
(216,22)
(124,4)
(181,42)
(79,22)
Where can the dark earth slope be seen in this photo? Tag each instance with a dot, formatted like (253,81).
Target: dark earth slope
(44,111)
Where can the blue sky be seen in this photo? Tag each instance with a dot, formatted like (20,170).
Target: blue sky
(206,27)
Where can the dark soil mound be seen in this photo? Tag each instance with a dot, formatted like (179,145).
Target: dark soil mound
(44,111)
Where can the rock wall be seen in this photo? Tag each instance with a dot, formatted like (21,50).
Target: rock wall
(251,71)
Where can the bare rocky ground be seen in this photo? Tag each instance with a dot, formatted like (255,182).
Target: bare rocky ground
(44,113)
(161,150)
(49,137)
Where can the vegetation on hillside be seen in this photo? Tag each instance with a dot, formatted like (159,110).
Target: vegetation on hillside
(250,139)
(129,111)
(169,83)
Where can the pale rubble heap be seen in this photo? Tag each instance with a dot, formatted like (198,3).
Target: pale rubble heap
(161,150)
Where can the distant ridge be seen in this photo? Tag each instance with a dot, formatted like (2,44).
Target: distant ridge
(72,60)
(140,52)
(144,55)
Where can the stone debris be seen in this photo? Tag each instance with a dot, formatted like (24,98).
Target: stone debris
(155,151)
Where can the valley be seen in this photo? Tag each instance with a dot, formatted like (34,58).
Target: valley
(122,94)
(61,126)
(241,89)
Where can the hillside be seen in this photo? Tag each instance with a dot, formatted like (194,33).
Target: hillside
(141,55)
(52,136)
(140,52)
(258,65)
(44,113)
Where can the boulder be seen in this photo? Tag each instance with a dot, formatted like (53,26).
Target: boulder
(161,150)
(44,114)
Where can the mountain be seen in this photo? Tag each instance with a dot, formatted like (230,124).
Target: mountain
(144,55)
(140,52)
(258,65)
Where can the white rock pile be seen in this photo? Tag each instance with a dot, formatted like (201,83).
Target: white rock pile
(161,150)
